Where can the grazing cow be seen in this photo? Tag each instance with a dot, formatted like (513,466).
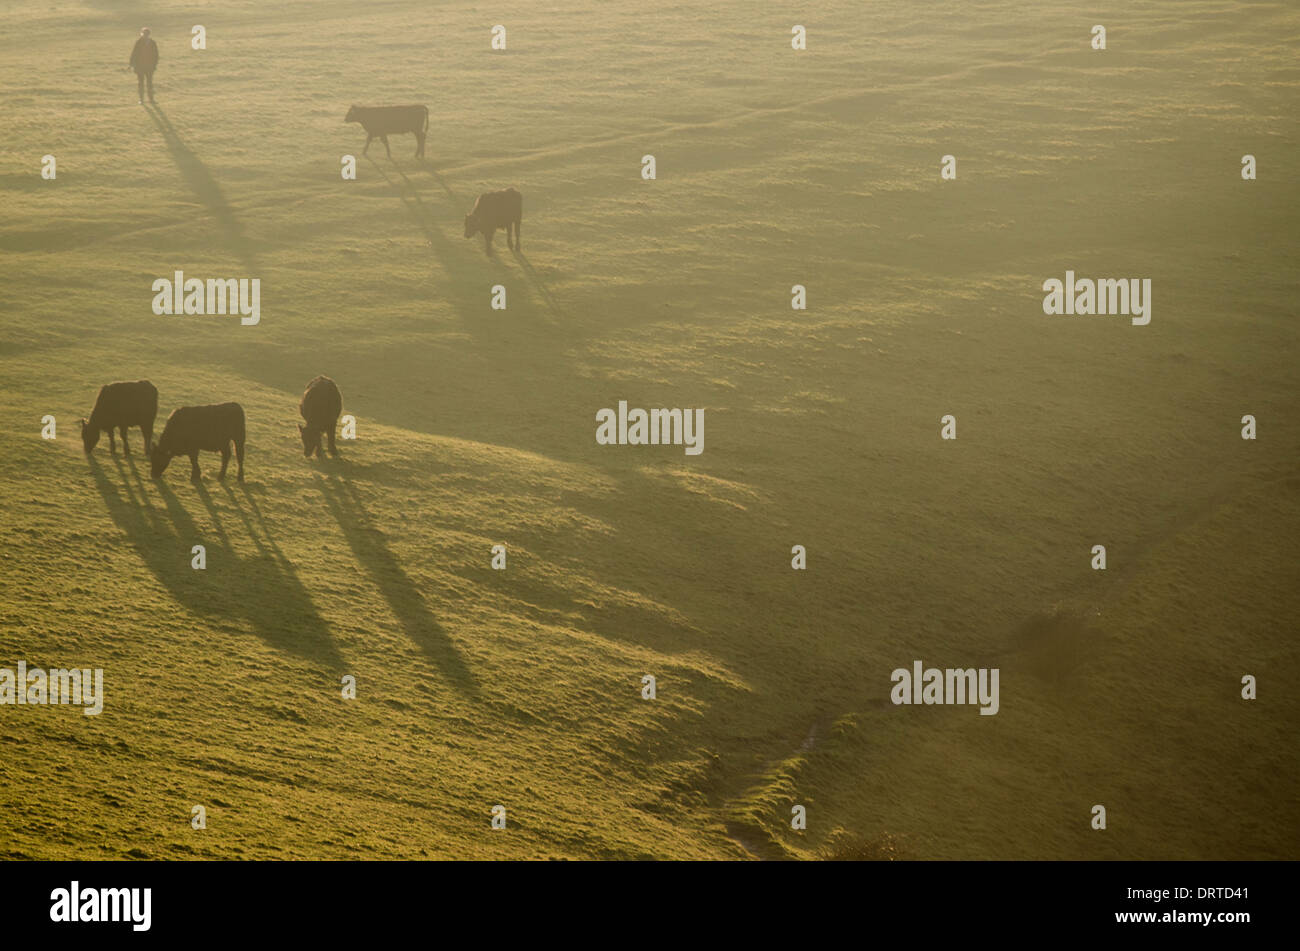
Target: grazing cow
(118,406)
(492,210)
(382,121)
(193,428)
(321,405)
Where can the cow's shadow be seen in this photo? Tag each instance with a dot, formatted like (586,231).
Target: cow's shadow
(442,182)
(467,259)
(262,590)
(403,597)
(458,263)
(543,292)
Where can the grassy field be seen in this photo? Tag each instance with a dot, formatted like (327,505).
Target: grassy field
(476,427)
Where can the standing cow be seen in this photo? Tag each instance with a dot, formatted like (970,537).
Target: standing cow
(382,121)
(320,407)
(207,428)
(118,406)
(492,210)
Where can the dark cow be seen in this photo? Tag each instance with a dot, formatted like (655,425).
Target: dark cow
(194,428)
(118,406)
(321,405)
(382,121)
(503,209)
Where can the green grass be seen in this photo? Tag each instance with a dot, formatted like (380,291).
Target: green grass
(476,427)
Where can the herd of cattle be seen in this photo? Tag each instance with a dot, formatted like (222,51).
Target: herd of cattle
(193,429)
(501,209)
(216,428)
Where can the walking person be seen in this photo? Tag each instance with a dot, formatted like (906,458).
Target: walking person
(144,60)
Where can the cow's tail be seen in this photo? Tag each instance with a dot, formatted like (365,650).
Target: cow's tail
(426,118)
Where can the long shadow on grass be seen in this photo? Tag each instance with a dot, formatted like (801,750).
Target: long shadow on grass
(458,259)
(542,291)
(264,590)
(205,187)
(435,176)
(454,260)
(401,593)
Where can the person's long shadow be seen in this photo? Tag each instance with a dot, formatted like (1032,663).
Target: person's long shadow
(205,187)
(403,597)
(263,590)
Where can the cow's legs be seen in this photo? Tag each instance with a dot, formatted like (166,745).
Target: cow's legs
(386,148)
(112,441)
(126,450)
(239,457)
(333,449)
(518,246)
(419,145)
(366,150)
(194,467)
(147,430)
(225,461)
(487,239)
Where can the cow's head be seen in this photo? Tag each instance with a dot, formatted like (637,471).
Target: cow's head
(471,225)
(89,435)
(353,115)
(158,460)
(310,440)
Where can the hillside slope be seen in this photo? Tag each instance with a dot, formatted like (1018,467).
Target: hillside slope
(475,427)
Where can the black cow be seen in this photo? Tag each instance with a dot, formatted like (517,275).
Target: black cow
(118,406)
(194,428)
(492,210)
(320,407)
(382,121)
